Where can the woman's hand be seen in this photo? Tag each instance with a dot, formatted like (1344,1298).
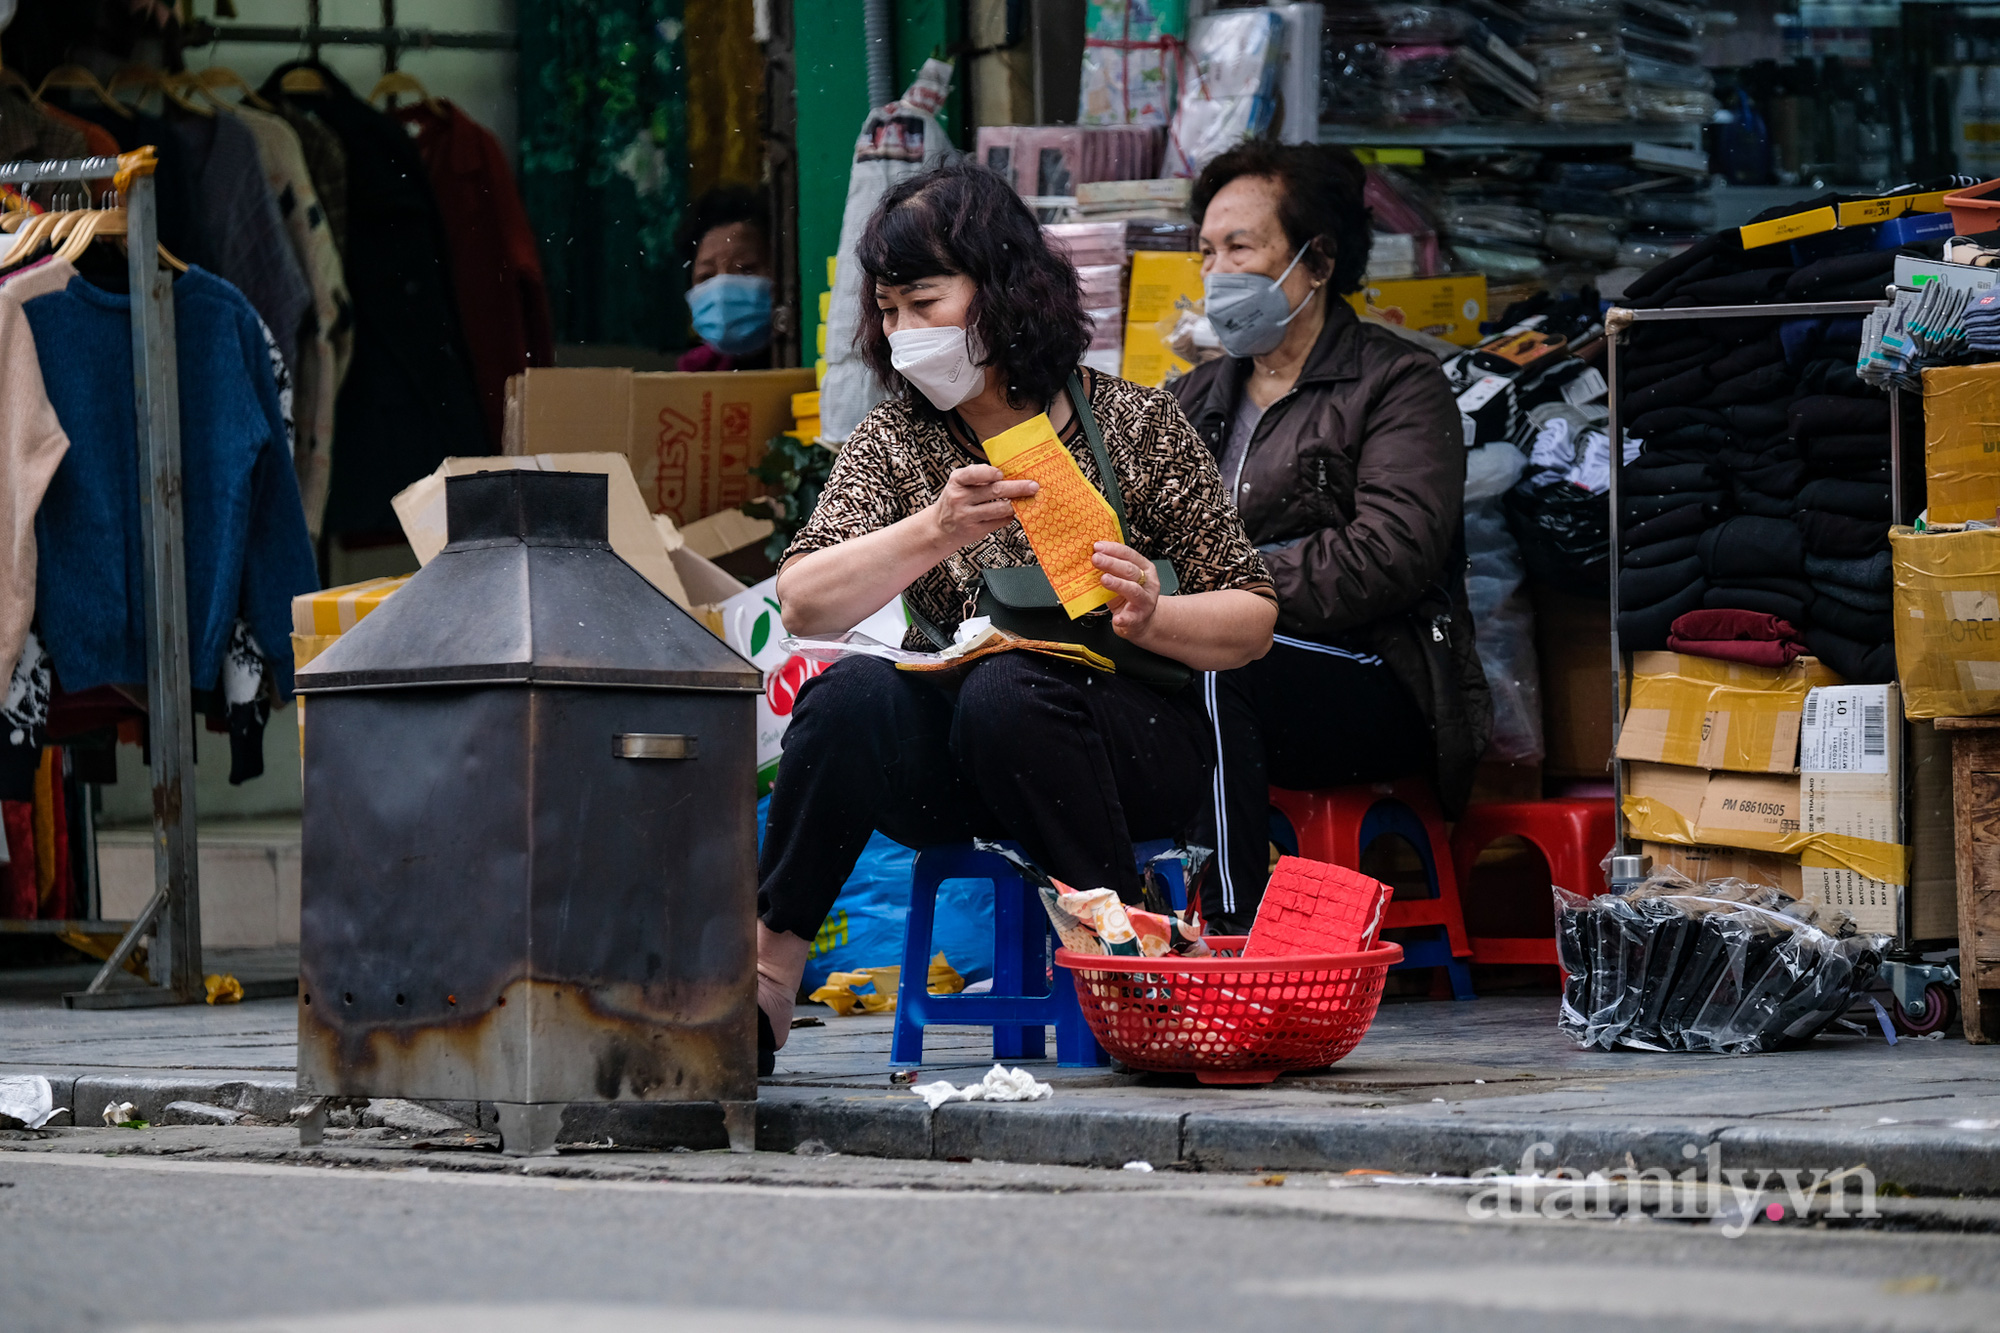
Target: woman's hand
(1132,576)
(975,501)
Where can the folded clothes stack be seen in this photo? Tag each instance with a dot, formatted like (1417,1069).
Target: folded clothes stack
(1843,518)
(1736,636)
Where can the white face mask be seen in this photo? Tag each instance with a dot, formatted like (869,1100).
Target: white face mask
(940,362)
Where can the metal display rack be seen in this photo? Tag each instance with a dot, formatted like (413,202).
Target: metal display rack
(1904,969)
(1513,134)
(173,915)
(393,38)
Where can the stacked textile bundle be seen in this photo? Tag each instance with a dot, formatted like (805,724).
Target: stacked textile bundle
(1762,446)
(1426,64)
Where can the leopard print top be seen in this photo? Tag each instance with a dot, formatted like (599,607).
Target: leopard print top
(896,464)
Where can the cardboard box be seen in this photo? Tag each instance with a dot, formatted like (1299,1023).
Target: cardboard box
(1573,644)
(691,439)
(1962,442)
(1697,806)
(1933,891)
(640,538)
(1947,615)
(1708,713)
(1851,781)
(1448,307)
(1160,279)
(1702,864)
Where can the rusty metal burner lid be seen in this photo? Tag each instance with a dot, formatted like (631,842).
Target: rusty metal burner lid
(528,592)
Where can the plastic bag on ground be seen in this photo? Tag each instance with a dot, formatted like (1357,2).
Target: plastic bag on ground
(1503,618)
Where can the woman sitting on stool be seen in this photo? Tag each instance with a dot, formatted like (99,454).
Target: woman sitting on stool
(977,326)
(1340,445)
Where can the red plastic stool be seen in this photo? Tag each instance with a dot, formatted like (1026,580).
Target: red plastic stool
(1572,837)
(1337,824)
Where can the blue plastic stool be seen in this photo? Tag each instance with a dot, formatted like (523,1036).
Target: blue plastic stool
(1389,814)
(1024,1001)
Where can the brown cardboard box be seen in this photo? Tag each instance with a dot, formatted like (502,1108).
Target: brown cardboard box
(1933,896)
(1962,442)
(1708,713)
(1700,864)
(1573,642)
(1698,806)
(1851,783)
(691,439)
(1947,617)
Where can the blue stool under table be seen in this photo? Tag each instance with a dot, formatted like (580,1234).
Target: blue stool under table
(1025,999)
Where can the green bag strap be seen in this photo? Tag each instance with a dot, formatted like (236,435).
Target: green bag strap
(1112,492)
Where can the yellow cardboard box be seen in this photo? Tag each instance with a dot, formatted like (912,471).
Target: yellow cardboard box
(1708,713)
(1962,442)
(1160,278)
(1448,307)
(691,439)
(1763,812)
(1947,615)
(1702,864)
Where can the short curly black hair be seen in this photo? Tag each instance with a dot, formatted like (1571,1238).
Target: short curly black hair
(723,206)
(1027,314)
(1321,190)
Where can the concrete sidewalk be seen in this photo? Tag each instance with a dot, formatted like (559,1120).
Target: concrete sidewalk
(1435,1087)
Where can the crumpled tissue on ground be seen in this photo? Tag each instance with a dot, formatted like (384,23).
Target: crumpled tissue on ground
(1000,1085)
(28,1099)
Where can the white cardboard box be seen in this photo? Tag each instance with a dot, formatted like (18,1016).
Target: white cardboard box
(1850,774)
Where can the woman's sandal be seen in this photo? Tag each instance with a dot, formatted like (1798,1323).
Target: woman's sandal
(767,1046)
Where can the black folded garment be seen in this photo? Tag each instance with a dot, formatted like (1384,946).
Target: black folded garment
(1840,535)
(1861,626)
(1735,288)
(1653,459)
(1644,587)
(1861,599)
(1753,548)
(1669,347)
(1662,553)
(1798,588)
(1757,386)
(1639,508)
(1809,338)
(1780,480)
(1670,479)
(1715,253)
(1756,418)
(1838,273)
(1836,378)
(1858,663)
(1750,599)
(1687,522)
(1748,459)
(1873,573)
(1642,629)
(1660,420)
(1754,355)
(1749,500)
(1703,438)
(1652,370)
(1847,453)
(1819,414)
(1856,499)
(1687,387)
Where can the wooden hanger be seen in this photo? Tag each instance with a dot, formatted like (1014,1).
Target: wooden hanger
(396,82)
(104,224)
(218,77)
(149,80)
(304,79)
(12,79)
(76,76)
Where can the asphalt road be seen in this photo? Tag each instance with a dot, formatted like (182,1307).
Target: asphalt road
(750,1245)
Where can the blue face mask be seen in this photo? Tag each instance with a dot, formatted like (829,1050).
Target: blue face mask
(732,312)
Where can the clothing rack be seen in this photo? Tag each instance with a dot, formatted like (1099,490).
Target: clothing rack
(173,915)
(1616,321)
(393,39)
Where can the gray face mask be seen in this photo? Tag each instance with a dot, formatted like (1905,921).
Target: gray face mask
(1248,310)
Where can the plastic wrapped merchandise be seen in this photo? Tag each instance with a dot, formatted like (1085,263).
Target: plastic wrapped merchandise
(1229,94)
(1503,618)
(1127,56)
(1565,535)
(1726,966)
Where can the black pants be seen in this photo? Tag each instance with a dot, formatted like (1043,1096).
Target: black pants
(1073,764)
(1302,716)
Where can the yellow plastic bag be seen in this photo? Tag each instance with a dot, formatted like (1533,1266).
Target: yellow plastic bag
(223,988)
(872,990)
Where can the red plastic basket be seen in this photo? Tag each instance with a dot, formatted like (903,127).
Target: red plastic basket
(1228,1019)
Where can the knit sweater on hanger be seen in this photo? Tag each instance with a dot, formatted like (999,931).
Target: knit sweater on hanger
(245,535)
(32,445)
